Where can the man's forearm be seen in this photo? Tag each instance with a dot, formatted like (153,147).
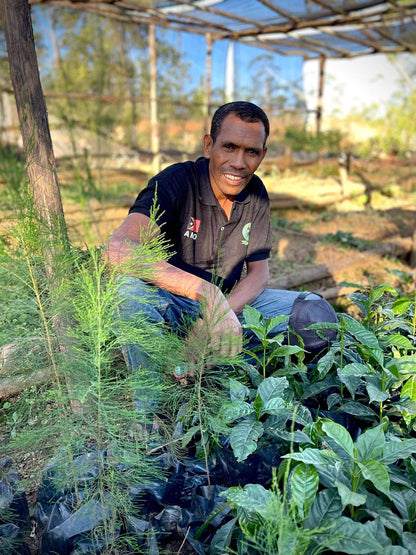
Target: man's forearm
(248,289)
(162,274)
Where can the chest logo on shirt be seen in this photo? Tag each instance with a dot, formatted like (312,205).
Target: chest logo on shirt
(192,228)
(246,234)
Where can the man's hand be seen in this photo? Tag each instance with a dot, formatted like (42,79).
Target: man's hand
(220,326)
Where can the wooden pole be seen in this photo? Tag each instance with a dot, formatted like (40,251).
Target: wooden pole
(320,94)
(154,122)
(208,90)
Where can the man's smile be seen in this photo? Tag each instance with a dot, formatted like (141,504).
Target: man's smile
(234,177)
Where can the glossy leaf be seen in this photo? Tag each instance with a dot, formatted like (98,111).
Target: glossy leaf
(401,305)
(409,541)
(340,435)
(369,445)
(354,538)
(354,369)
(400,341)
(409,388)
(377,508)
(362,334)
(274,406)
(394,450)
(252,498)
(349,497)
(376,395)
(358,409)
(304,484)
(377,474)
(396,550)
(222,538)
(231,412)
(237,390)
(326,506)
(244,437)
(272,387)
(313,456)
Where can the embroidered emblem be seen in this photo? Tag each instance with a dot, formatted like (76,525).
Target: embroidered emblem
(193,225)
(246,234)
(192,228)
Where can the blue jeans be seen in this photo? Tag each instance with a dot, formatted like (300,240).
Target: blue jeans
(161,307)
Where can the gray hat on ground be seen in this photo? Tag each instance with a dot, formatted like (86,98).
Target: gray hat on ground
(312,311)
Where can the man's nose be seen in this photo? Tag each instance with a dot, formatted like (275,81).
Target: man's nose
(238,160)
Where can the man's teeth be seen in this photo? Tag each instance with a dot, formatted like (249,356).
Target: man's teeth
(232,177)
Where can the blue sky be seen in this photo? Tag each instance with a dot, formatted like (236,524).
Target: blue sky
(193,50)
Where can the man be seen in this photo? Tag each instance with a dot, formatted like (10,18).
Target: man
(215,213)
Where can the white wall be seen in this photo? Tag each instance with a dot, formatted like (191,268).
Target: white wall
(353,84)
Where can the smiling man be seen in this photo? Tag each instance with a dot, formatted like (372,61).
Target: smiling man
(215,215)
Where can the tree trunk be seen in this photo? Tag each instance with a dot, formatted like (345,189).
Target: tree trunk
(40,159)
(34,125)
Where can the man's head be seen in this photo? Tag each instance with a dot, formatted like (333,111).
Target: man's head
(246,111)
(235,146)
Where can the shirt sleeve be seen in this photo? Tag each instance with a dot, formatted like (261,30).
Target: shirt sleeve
(155,199)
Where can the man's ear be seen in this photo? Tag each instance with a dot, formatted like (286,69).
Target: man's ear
(207,144)
(264,153)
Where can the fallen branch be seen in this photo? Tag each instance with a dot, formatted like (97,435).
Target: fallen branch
(17,379)
(397,246)
(333,293)
(16,383)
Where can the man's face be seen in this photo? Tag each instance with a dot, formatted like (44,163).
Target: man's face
(235,155)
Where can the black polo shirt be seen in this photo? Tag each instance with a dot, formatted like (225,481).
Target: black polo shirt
(202,241)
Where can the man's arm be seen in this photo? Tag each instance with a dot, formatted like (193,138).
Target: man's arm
(250,287)
(223,325)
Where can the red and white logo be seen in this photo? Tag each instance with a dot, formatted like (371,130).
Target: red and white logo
(193,225)
(192,228)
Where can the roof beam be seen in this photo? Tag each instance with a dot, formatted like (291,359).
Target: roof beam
(279,11)
(195,6)
(371,18)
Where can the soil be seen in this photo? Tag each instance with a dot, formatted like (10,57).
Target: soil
(374,205)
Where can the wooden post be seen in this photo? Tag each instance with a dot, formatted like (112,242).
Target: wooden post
(154,122)
(413,251)
(208,70)
(320,94)
(320,104)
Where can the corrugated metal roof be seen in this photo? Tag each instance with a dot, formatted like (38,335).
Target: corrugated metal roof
(309,28)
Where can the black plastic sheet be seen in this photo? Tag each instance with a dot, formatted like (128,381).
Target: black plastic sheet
(14,511)
(181,504)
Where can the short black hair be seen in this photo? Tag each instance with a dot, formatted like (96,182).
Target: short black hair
(246,111)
